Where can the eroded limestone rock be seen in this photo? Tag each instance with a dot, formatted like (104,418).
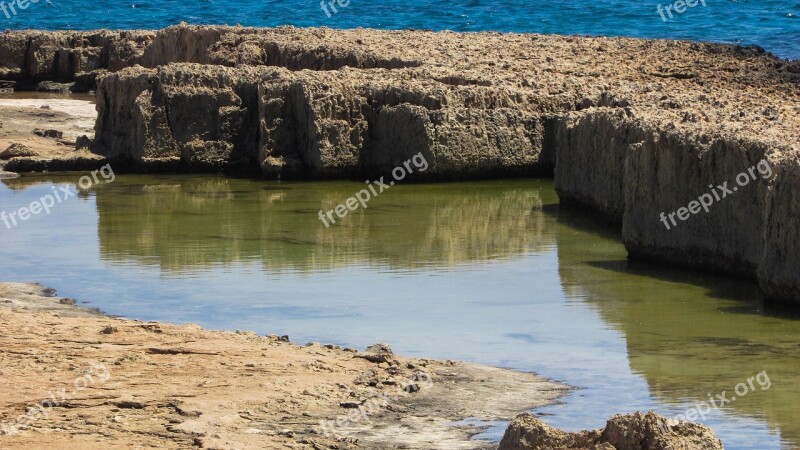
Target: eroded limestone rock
(635,431)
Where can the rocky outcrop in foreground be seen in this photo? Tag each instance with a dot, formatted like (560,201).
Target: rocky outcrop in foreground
(634,129)
(635,431)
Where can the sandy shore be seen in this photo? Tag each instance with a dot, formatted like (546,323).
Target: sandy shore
(74,378)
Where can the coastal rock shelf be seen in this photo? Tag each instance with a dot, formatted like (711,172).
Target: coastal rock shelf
(308,124)
(630,128)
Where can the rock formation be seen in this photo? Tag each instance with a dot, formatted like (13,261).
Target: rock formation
(622,432)
(630,128)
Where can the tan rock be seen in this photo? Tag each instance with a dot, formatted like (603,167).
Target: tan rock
(526,432)
(635,431)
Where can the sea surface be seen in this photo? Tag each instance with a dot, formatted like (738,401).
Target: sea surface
(494,272)
(772,24)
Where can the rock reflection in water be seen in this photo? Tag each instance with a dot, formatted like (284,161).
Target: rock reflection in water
(688,334)
(185,223)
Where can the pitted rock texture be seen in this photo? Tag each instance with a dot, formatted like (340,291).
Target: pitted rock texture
(315,124)
(80,56)
(349,100)
(639,172)
(635,431)
(349,103)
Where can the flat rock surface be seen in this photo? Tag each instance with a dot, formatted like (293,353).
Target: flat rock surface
(20,117)
(107,383)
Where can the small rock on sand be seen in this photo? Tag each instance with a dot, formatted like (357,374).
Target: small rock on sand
(377,353)
(48,133)
(52,86)
(16,149)
(83,142)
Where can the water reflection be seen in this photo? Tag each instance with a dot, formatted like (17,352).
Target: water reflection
(186,223)
(688,334)
(494,272)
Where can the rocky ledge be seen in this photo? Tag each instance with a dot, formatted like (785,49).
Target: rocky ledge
(643,131)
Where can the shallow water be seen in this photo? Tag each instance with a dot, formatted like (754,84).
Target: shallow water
(493,272)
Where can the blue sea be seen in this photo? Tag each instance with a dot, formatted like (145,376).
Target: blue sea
(771,24)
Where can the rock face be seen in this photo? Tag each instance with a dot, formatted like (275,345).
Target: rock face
(778,273)
(728,236)
(32,57)
(629,128)
(638,173)
(321,103)
(591,150)
(622,432)
(310,124)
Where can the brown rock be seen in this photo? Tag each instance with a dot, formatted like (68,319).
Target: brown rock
(16,150)
(526,432)
(55,134)
(778,272)
(653,432)
(52,86)
(83,143)
(377,353)
(635,431)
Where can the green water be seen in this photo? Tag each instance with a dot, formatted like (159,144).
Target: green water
(493,272)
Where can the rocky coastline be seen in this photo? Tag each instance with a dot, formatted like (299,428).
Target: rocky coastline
(75,378)
(632,129)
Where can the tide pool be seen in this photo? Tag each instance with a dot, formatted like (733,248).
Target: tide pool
(494,272)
